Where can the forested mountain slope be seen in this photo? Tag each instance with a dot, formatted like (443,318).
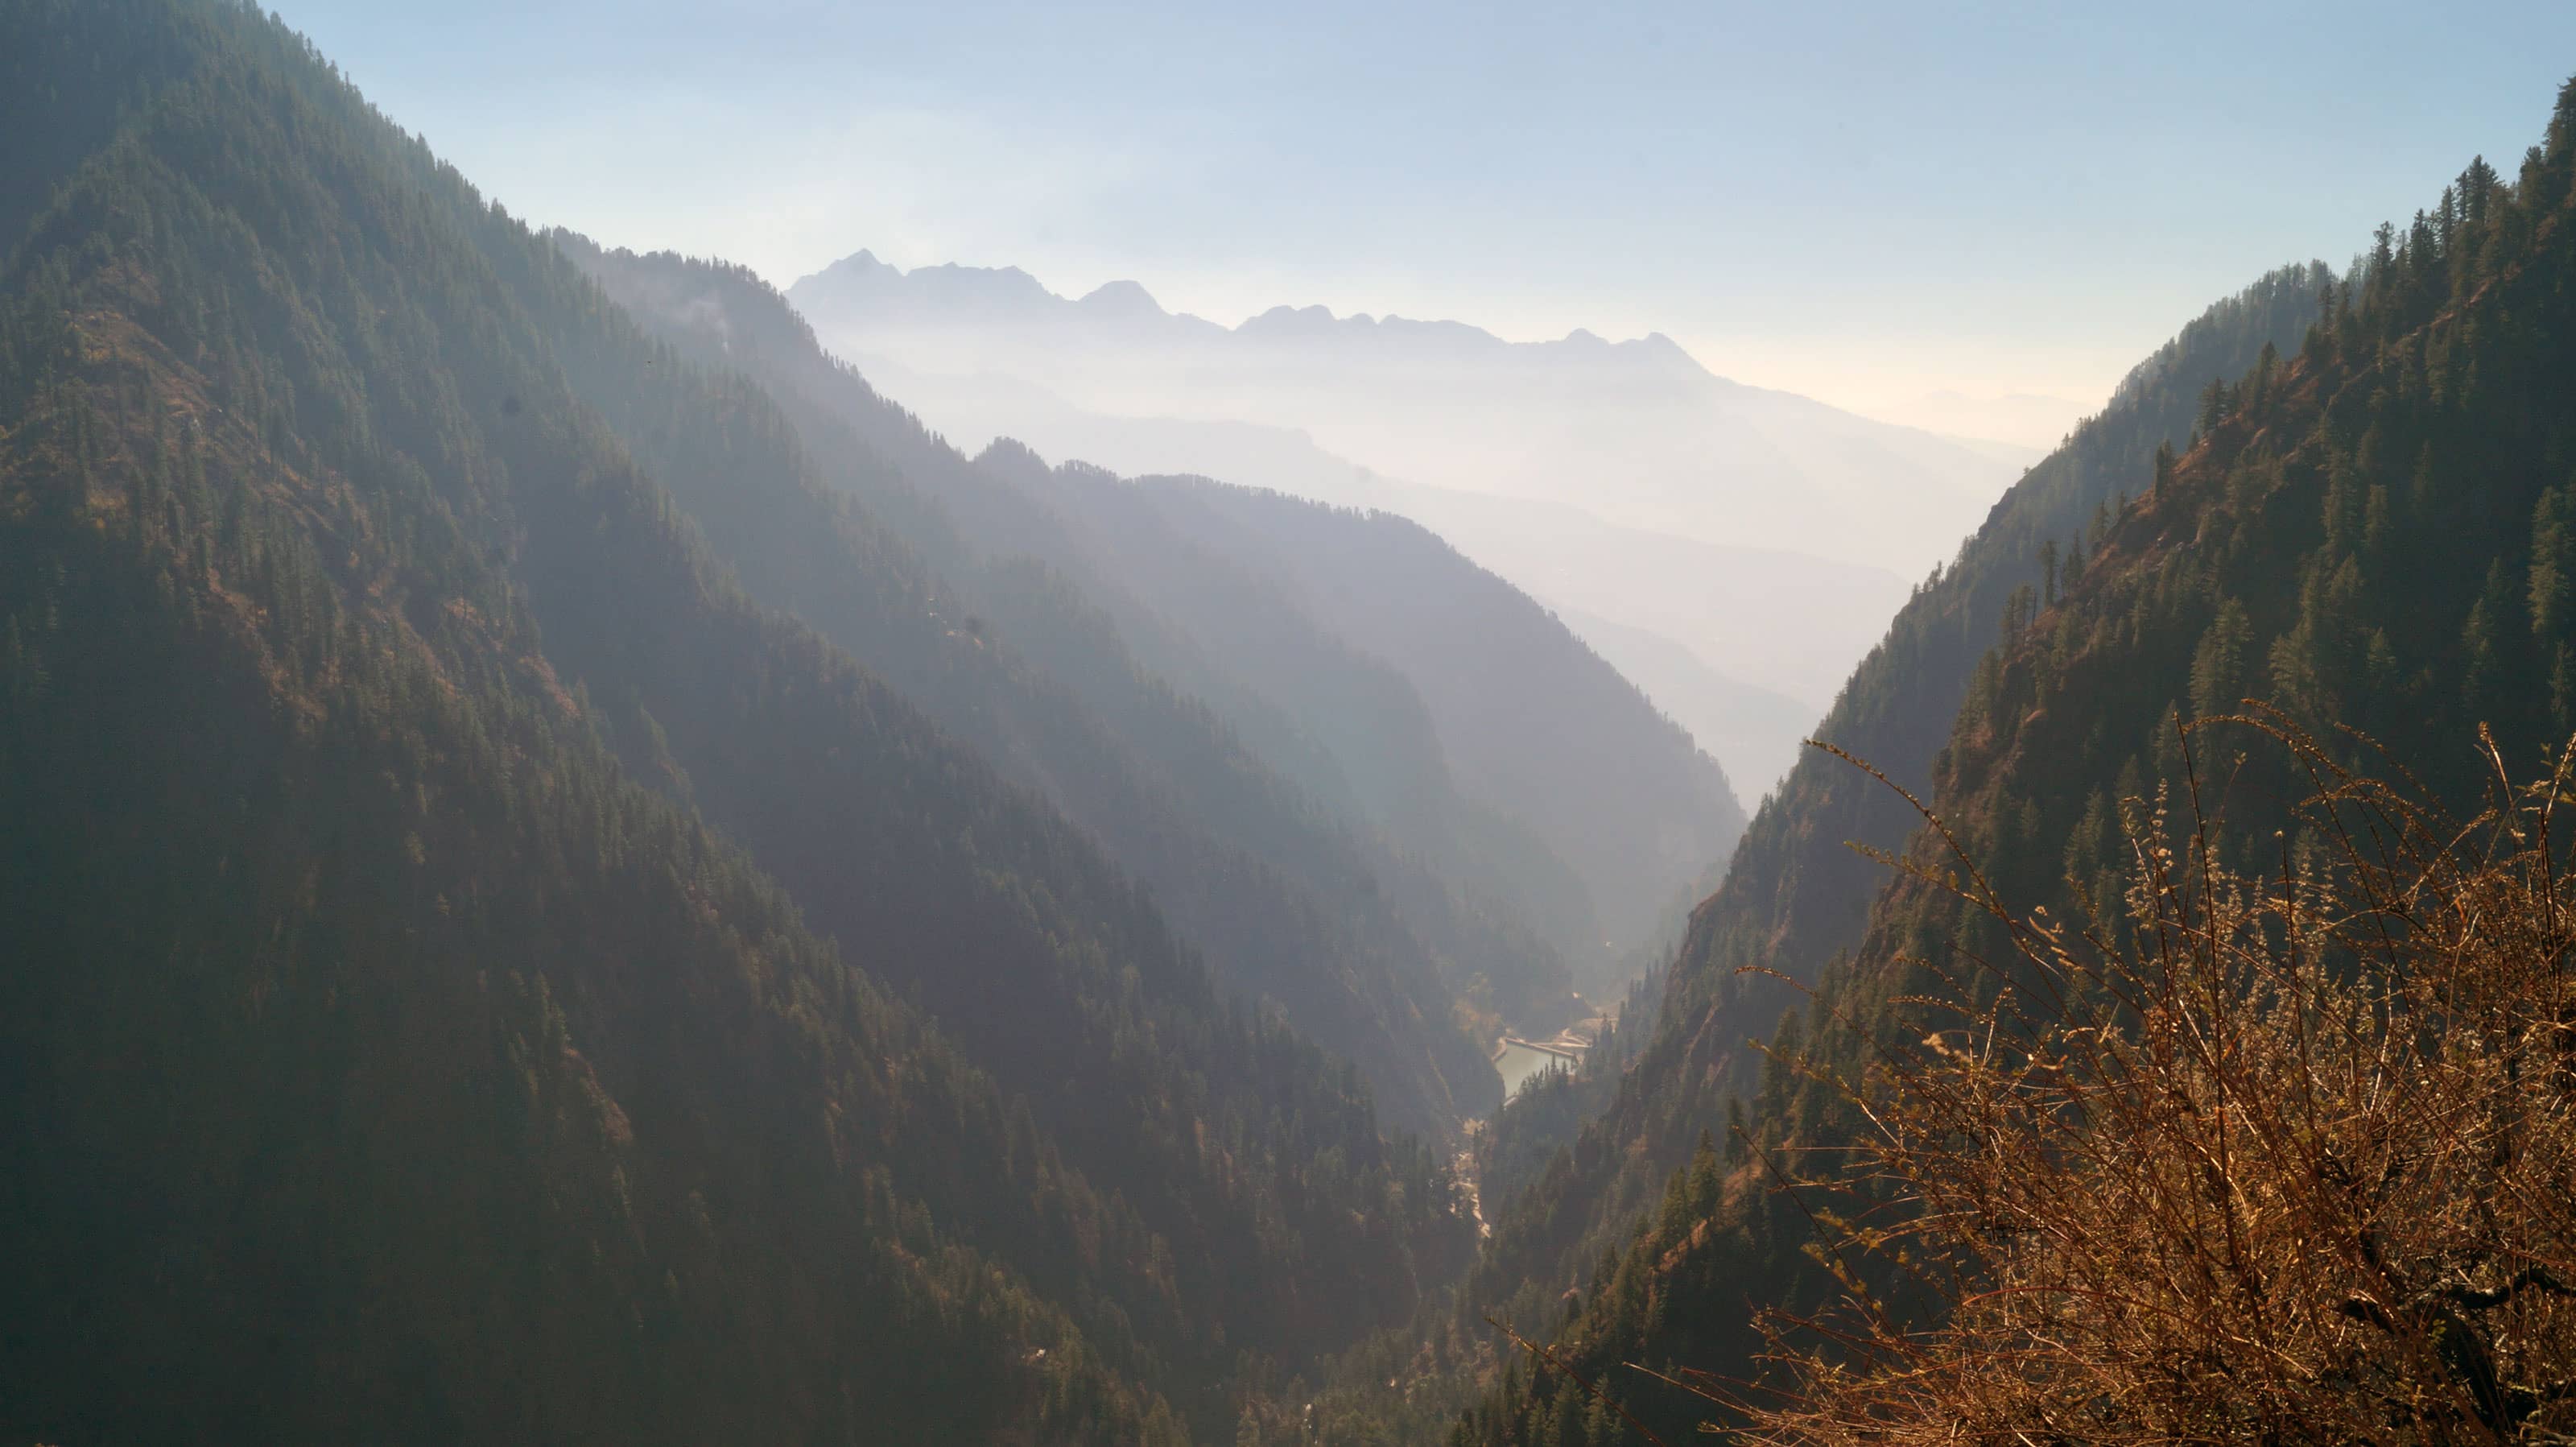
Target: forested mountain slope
(1820,617)
(1282,902)
(393,1048)
(1352,706)
(1797,895)
(1522,707)
(2372,532)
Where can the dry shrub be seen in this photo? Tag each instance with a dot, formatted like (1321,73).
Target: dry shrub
(2286,1156)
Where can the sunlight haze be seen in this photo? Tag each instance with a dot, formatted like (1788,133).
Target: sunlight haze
(1870,204)
(1382,723)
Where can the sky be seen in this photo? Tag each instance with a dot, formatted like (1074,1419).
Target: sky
(1958,211)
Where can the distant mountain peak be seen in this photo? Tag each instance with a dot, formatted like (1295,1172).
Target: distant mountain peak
(881,289)
(1657,342)
(1280,320)
(948,285)
(862,263)
(1123,298)
(988,280)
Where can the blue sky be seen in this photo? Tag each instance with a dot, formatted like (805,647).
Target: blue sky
(1866,202)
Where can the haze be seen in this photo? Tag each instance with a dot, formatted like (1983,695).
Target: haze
(1146,724)
(1873,204)
(1954,234)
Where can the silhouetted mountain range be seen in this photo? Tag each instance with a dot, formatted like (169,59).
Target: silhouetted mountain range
(486,957)
(575,873)
(1780,620)
(1408,748)
(1636,432)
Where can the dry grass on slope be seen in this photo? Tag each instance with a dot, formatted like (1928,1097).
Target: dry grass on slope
(2284,1155)
(2275,1151)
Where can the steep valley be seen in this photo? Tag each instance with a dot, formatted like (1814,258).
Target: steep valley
(576,872)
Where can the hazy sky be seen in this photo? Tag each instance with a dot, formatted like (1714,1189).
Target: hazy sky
(1868,203)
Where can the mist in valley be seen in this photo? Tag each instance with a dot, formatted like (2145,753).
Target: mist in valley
(1382,725)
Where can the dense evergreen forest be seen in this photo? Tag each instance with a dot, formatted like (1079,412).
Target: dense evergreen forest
(1798,895)
(577,875)
(2363,531)
(372,705)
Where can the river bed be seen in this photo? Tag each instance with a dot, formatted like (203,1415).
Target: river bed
(1519,1063)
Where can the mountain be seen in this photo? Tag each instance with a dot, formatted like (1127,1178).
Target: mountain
(2367,529)
(1730,718)
(1792,618)
(1285,905)
(1797,895)
(1625,797)
(1621,480)
(1636,432)
(1097,700)
(480,965)
(1397,731)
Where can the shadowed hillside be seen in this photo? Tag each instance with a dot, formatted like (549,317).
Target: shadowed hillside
(394,1038)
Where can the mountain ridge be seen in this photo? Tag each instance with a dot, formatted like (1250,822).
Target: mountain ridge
(409,1031)
(1043,571)
(1798,896)
(2362,538)
(1004,286)
(1508,450)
